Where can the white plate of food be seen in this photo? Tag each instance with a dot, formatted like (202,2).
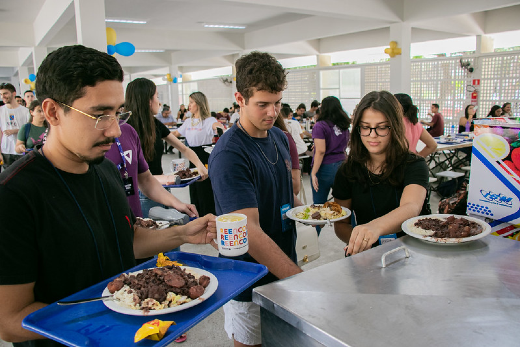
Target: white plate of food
(446,228)
(330,211)
(125,298)
(187,174)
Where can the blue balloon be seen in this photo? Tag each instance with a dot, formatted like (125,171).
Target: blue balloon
(32,77)
(111,49)
(180,76)
(175,80)
(126,49)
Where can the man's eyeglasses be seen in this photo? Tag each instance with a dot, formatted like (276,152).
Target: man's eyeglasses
(105,121)
(380,130)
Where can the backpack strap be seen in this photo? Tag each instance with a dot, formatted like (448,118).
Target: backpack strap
(27,130)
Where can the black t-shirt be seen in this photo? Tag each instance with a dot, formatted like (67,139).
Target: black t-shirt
(161,131)
(44,237)
(373,200)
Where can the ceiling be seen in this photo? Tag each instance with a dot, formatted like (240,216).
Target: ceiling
(285,28)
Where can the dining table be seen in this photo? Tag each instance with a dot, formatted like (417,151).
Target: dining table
(449,154)
(426,294)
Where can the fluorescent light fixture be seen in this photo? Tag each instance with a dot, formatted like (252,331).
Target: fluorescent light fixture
(224,26)
(149,50)
(125,21)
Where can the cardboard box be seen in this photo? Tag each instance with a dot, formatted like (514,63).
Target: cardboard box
(494,188)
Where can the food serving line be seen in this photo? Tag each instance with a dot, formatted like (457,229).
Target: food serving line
(465,294)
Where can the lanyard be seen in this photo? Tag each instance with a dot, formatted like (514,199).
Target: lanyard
(123,164)
(85,217)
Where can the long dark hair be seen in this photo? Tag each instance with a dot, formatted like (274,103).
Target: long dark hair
(397,150)
(466,114)
(409,109)
(493,110)
(280,123)
(332,111)
(139,93)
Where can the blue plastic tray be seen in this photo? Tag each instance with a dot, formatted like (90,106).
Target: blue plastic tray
(182,185)
(93,324)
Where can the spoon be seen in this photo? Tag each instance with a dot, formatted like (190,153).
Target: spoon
(109,297)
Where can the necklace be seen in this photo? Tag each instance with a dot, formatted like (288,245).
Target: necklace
(195,123)
(260,148)
(370,176)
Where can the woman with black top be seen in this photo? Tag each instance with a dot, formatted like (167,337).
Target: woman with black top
(142,99)
(382,182)
(181,113)
(199,131)
(466,122)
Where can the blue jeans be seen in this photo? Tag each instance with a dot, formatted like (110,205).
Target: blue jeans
(325,175)
(146,205)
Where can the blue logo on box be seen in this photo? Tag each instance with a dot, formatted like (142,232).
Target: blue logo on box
(497,199)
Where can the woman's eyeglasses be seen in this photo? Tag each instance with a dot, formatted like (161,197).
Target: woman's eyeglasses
(105,121)
(382,131)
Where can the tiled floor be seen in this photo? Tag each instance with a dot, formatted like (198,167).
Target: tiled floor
(210,332)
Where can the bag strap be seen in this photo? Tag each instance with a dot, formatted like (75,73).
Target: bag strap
(27,130)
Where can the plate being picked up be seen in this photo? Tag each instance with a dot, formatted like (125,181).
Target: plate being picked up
(303,214)
(409,228)
(194,173)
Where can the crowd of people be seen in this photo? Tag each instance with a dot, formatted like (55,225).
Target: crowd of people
(55,176)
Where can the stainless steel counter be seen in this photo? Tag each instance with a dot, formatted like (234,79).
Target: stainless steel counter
(443,295)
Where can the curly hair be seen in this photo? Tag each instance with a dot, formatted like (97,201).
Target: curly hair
(397,150)
(139,93)
(259,71)
(331,110)
(64,73)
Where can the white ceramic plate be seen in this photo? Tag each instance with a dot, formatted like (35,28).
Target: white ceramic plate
(190,178)
(209,290)
(446,240)
(293,211)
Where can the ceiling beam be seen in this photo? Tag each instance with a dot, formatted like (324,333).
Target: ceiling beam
(53,16)
(375,9)
(308,29)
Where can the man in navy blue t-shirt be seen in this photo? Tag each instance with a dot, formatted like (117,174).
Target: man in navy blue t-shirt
(250,169)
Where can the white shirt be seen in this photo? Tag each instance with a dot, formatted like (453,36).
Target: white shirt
(196,132)
(294,128)
(12,118)
(234,118)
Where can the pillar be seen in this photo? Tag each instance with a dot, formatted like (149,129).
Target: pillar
(90,23)
(38,53)
(23,73)
(400,66)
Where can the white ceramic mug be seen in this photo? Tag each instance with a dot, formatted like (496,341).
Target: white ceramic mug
(232,237)
(179,164)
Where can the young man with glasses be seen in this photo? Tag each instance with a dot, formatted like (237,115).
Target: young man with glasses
(68,224)
(12,117)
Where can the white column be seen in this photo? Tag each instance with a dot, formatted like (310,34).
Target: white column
(90,23)
(173,90)
(485,44)
(39,53)
(23,73)
(400,71)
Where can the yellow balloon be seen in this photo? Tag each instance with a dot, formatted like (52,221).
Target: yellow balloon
(27,81)
(33,86)
(111,37)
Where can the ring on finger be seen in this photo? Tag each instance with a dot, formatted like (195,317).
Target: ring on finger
(365,240)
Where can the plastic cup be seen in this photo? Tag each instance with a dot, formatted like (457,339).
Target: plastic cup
(179,164)
(232,238)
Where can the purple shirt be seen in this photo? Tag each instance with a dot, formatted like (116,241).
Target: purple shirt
(336,141)
(135,162)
